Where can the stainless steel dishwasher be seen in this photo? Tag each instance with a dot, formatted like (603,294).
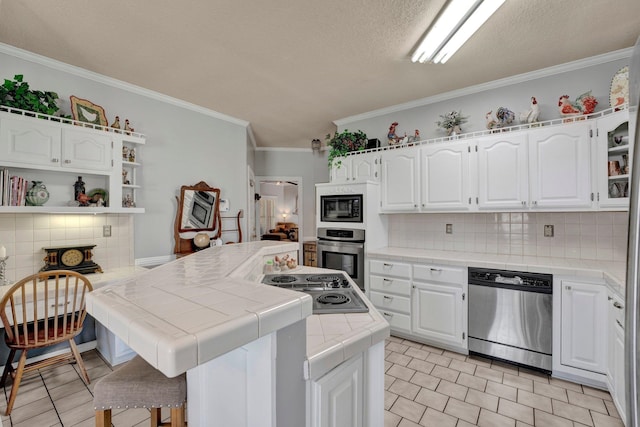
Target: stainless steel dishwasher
(510,316)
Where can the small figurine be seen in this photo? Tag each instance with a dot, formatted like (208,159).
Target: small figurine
(132,155)
(505,116)
(415,137)
(116,124)
(125,153)
(532,115)
(124,177)
(127,128)
(97,201)
(83,199)
(127,202)
(491,122)
(584,104)
(392,137)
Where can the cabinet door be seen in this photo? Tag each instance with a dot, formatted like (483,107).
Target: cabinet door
(503,172)
(365,167)
(560,166)
(86,150)
(445,177)
(29,142)
(583,326)
(341,170)
(612,142)
(337,398)
(619,376)
(438,313)
(399,183)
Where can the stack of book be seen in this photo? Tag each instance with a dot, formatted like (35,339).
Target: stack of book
(13,189)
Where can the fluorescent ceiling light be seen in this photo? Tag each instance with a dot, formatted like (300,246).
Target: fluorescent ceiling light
(459,21)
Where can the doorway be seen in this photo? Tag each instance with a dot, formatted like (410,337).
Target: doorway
(283,203)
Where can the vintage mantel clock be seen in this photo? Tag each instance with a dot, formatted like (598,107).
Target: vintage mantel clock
(75,258)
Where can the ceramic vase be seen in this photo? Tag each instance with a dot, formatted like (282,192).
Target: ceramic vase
(37,195)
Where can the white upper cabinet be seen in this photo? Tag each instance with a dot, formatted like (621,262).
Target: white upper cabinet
(445,177)
(560,166)
(613,145)
(503,171)
(400,180)
(86,150)
(358,168)
(30,142)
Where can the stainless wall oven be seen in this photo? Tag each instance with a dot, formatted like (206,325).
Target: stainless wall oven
(341,208)
(342,249)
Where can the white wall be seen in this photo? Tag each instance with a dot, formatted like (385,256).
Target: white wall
(185,144)
(514,93)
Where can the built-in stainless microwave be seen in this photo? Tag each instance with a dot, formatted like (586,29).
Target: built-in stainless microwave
(341,208)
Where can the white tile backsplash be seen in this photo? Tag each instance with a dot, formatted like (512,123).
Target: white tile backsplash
(24,236)
(578,235)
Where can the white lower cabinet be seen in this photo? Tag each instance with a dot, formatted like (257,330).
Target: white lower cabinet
(615,354)
(583,326)
(422,301)
(390,292)
(337,399)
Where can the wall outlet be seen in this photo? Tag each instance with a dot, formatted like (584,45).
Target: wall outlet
(449,229)
(548,231)
(106,231)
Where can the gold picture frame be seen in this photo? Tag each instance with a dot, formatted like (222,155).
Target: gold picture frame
(86,111)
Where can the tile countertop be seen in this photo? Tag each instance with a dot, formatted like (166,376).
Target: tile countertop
(189,311)
(613,272)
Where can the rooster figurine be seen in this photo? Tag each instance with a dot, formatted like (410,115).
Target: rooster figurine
(116,123)
(128,129)
(532,115)
(584,104)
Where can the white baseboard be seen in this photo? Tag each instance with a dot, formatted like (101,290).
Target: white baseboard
(154,260)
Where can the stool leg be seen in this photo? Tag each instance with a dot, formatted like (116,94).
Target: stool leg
(177,417)
(103,418)
(156,417)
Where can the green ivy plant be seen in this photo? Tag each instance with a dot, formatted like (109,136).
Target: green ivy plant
(343,143)
(16,94)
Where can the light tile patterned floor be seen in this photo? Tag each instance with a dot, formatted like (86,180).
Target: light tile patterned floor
(424,386)
(427,386)
(58,397)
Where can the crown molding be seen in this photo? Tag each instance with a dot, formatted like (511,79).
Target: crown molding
(119,84)
(495,84)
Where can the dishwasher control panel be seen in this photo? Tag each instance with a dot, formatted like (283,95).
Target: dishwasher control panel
(517,280)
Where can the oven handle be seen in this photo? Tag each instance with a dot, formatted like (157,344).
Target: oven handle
(339,239)
(337,243)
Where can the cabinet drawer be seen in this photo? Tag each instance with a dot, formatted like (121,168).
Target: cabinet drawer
(390,302)
(397,321)
(390,268)
(390,284)
(439,273)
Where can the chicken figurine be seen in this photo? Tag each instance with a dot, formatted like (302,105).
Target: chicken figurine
(532,115)
(127,128)
(116,123)
(584,104)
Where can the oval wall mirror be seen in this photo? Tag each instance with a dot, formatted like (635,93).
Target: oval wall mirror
(199,207)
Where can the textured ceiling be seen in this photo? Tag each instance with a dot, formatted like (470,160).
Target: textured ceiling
(291,67)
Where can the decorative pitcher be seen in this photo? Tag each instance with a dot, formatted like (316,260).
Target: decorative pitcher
(37,195)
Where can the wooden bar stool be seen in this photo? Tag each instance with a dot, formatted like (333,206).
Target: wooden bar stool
(140,385)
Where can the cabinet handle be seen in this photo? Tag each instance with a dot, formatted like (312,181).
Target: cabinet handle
(387,297)
(609,298)
(616,304)
(619,324)
(54,160)
(568,288)
(61,304)
(387,265)
(387,280)
(534,203)
(67,161)
(415,206)
(524,203)
(384,313)
(435,269)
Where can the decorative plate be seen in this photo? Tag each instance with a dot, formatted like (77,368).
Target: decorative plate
(97,193)
(86,111)
(619,93)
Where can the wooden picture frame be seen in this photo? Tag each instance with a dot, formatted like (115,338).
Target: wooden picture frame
(83,110)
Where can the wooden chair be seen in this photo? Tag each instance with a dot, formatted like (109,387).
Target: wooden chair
(42,310)
(139,385)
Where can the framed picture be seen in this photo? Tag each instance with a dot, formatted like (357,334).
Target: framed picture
(87,112)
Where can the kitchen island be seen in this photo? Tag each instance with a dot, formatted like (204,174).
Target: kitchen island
(245,346)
